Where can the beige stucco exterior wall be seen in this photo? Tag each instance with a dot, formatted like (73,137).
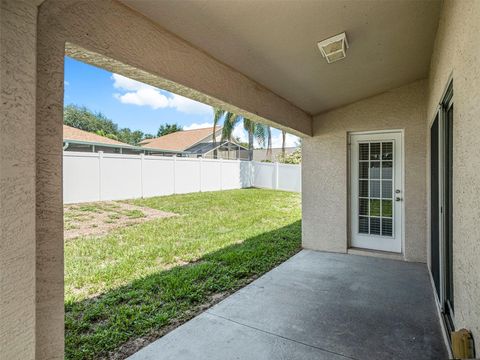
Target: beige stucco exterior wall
(325,167)
(457,54)
(17,179)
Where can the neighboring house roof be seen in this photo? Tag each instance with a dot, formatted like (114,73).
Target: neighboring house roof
(205,147)
(180,140)
(77,135)
(145,141)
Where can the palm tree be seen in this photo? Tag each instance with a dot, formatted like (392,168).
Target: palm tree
(262,133)
(284,137)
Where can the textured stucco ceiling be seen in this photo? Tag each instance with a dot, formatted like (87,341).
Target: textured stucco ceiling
(274,42)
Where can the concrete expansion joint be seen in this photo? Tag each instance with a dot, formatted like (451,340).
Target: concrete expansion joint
(280,336)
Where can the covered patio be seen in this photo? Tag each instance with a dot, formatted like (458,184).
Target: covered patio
(317,305)
(390,165)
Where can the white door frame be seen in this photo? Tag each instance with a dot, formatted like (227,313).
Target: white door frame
(378,242)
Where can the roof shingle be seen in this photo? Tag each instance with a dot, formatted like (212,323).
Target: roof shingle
(178,141)
(71,133)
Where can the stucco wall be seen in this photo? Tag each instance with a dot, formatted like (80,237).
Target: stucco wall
(17,179)
(457,54)
(325,167)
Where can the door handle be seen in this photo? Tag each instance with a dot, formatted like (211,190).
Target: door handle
(398,198)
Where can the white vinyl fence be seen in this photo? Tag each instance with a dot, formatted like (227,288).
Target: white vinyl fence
(98,176)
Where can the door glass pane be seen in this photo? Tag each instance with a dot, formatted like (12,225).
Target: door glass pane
(363,151)
(374,207)
(387,227)
(387,189)
(387,170)
(374,151)
(387,151)
(363,225)
(387,208)
(363,170)
(363,188)
(363,206)
(375,188)
(375,226)
(375,169)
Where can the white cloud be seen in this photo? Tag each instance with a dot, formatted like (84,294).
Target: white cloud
(66,83)
(124,83)
(290,140)
(144,97)
(137,93)
(197,126)
(189,106)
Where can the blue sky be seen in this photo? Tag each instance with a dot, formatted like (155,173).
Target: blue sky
(135,105)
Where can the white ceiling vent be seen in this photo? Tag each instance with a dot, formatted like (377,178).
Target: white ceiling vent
(334,48)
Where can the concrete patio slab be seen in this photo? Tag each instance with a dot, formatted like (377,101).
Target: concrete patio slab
(317,306)
(209,337)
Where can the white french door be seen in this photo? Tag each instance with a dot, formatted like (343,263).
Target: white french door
(376,172)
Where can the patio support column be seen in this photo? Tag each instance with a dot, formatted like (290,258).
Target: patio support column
(18,29)
(49,137)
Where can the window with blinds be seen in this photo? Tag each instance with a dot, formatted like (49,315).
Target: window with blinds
(375,188)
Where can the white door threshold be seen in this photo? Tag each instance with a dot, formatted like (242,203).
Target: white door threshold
(375,253)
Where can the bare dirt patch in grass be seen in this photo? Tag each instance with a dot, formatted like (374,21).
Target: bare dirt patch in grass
(99,218)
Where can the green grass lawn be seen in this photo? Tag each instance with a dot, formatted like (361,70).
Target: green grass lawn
(142,280)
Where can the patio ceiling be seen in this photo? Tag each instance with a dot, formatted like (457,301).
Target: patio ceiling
(274,43)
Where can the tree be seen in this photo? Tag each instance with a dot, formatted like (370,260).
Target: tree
(104,134)
(130,137)
(168,129)
(293,158)
(263,133)
(284,137)
(84,119)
